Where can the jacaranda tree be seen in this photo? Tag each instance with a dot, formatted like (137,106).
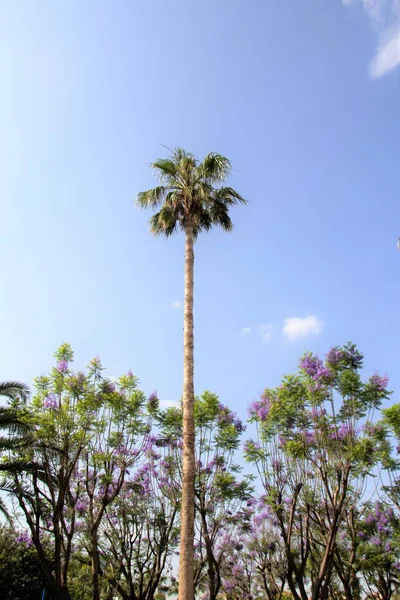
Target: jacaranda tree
(315,450)
(87,431)
(219,491)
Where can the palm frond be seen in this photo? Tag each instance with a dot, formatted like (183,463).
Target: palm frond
(150,198)
(14,443)
(230,196)
(214,167)
(14,390)
(9,417)
(166,169)
(164,222)
(18,466)
(5,512)
(220,216)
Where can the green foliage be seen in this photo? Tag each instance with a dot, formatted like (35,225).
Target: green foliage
(391,418)
(20,573)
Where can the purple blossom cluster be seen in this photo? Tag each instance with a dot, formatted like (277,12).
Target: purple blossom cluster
(260,409)
(77,382)
(342,432)
(378,525)
(108,387)
(226,417)
(373,428)
(314,367)
(261,517)
(24,538)
(62,366)
(81,505)
(334,356)
(309,437)
(379,383)
(153,400)
(251,446)
(50,401)
(318,413)
(123,451)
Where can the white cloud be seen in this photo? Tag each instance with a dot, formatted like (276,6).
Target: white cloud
(384,16)
(296,327)
(266,331)
(387,56)
(169,403)
(245,331)
(177,304)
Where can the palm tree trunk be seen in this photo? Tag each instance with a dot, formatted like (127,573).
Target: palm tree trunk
(186,553)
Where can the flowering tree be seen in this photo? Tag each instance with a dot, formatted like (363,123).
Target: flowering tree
(379,551)
(219,493)
(87,432)
(140,533)
(254,563)
(313,457)
(20,574)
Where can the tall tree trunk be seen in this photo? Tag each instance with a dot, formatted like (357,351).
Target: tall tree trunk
(95,565)
(186,552)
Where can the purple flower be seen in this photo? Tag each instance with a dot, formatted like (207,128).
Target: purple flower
(122,450)
(237,569)
(251,446)
(361,535)
(311,364)
(81,505)
(24,538)
(372,429)
(334,356)
(388,547)
(378,382)
(240,428)
(309,437)
(375,541)
(317,413)
(153,400)
(343,432)
(208,469)
(62,366)
(314,367)
(260,409)
(108,387)
(50,401)
(370,519)
(129,373)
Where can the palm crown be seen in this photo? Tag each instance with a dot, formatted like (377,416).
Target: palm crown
(188,196)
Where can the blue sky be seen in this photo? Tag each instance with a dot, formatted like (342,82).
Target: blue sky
(303,97)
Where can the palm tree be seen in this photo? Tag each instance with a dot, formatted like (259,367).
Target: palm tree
(16,429)
(188,199)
